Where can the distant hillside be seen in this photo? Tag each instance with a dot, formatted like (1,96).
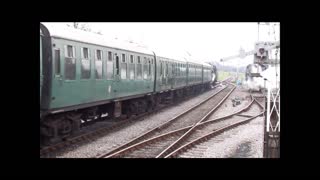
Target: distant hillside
(222,67)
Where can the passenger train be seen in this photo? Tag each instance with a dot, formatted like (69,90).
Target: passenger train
(84,77)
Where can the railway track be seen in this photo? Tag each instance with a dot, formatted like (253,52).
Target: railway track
(86,136)
(92,134)
(204,133)
(189,117)
(172,143)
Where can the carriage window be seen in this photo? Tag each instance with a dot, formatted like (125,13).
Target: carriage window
(131,71)
(57,61)
(195,70)
(123,70)
(123,58)
(149,67)
(70,51)
(98,64)
(131,58)
(144,60)
(123,67)
(85,53)
(178,69)
(70,63)
(161,68)
(139,68)
(192,70)
(109,56)
(109,65)
(182,70)
(131,67)
(173,70)
(85,64)
(117,64)
(145,68)
(166,70)
(99,55)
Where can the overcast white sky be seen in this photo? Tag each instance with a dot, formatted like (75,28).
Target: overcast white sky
(206,41)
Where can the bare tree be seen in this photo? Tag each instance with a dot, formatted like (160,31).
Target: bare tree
(76,25)
(84,27)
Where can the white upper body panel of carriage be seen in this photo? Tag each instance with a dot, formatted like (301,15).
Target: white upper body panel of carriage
(59,30)
(180,57)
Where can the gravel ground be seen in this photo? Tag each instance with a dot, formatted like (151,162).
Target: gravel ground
(209,128)
(227,108)
(245,141)
(115,139)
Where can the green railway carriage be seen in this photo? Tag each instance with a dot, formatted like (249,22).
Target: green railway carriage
(84,76)
(195,73)
(171,74)
(164,81)
(199,73)
(85,70)
(175,74)
(207,75)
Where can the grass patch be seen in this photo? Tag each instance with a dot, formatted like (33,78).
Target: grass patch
(222,75)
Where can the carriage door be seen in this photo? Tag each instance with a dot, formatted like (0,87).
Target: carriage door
(171,75)
(117,74)
(202,73)
(41,76)
(117,67)
(64,74)
(166,74)
(160,72)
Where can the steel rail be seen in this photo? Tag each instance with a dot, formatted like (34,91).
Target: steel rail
(159,127)
(116,153)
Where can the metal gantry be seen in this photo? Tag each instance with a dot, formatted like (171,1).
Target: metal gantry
(272,130)
(272,116)
(273,99)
